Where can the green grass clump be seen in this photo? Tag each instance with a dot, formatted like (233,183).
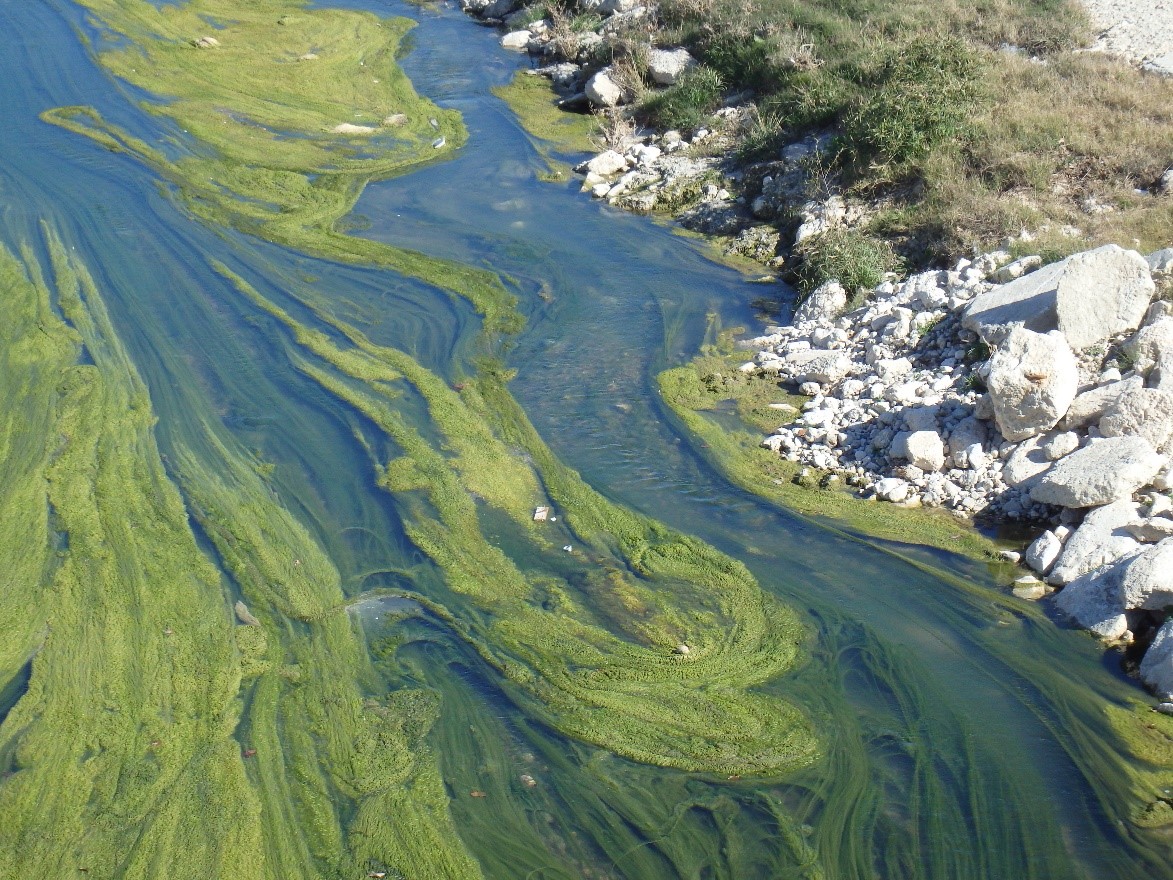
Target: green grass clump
(854,258)
(923,95)
(963,143)
(686,104)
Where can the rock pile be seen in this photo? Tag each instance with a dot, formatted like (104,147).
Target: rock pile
(999,391)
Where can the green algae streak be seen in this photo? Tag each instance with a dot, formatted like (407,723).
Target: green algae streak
(626,691)
(205,747)
(255,143)
(712,382)
(148,742)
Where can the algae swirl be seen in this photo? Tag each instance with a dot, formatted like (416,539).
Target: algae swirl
(158,735)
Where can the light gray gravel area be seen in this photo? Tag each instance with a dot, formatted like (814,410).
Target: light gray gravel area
(1139,30)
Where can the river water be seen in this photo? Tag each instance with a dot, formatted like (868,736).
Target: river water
(963,734)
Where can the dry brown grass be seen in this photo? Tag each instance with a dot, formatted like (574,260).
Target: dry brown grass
(1078,142)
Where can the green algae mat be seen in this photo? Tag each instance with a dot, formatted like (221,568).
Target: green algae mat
(276,602)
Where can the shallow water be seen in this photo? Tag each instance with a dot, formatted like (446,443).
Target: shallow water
(962,733)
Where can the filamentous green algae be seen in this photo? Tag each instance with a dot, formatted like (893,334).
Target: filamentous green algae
(606,626)
(636,691)
(126,729)
(158,736)
(280,122)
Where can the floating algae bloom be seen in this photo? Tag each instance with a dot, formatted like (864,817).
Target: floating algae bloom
(158,736)
(127,752)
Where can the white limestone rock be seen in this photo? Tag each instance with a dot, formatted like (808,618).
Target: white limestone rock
(1043,552)
(1156,669)
(606,164)
(1103,471)
(892,489)
(1026,464)
(1090,406)
(666,66)
(1151,344)
(516,40)
(1094,601)
(602,91)
(823,367)
(1144,412)
(925,450)
(1102,538)
(1033,378)
(1148,582)
(823,304)
(1088,297)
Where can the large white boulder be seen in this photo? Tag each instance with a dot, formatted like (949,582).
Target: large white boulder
(1027,463)
(1033,378)
(1094,601)
(1145,412)
(1101,539)
(1151,344)
(602,91)
(1156,669)
(1148,582)
(666,66)
(824,303)
(1088,297)
(814,365)
(1103,471)
(516,40)
(925,450)
(606,164)
(966,434)
(892,489)
(1090,406)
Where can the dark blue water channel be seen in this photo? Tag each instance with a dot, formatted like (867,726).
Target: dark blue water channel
(965,736)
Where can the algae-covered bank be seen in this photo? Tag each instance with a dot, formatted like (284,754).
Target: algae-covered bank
(295,346)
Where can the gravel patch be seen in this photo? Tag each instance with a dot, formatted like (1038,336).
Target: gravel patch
(1139,30)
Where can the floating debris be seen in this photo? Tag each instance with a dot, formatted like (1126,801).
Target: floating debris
(528,780)
(541,514)
(350,128)
(433,123)
(395,119)
(205,42)
(439,142)
(477,793)
(568,548)
(682,650)
(244,615)
(308,56)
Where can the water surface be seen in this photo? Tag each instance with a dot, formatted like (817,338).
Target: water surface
(963,736)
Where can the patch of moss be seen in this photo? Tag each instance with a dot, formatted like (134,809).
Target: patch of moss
(536,106)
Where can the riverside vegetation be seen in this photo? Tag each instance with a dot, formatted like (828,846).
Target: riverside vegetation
(945,127)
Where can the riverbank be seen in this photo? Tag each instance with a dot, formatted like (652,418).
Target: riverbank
(902,390)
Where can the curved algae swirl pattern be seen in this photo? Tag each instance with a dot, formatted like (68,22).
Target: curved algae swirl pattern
(178,741)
